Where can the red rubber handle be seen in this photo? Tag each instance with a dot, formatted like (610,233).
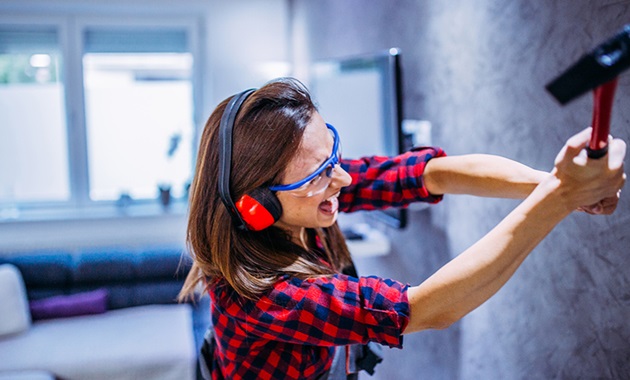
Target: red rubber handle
(602,107)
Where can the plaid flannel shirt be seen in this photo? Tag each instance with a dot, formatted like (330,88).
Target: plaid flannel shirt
(291,332)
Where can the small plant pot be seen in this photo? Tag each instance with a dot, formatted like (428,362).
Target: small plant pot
(165,196)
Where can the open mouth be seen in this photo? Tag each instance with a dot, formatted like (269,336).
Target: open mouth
(330,205)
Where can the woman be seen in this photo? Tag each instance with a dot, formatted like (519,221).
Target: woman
(286,302)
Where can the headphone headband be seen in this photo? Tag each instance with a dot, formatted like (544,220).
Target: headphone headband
(225,154)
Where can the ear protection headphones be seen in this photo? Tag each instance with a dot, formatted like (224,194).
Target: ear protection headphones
(260,208)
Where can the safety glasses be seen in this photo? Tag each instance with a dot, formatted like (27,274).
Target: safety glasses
(318,181)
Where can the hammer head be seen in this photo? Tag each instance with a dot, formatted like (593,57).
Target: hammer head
(601,65)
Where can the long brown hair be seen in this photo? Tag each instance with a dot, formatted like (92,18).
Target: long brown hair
(267,134)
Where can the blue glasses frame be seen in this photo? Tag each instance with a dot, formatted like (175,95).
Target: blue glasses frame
(328,164)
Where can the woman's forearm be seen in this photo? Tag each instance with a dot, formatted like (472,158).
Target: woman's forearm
(482,175)
(479,272)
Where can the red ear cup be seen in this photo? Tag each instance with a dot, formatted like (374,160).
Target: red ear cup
(259,209)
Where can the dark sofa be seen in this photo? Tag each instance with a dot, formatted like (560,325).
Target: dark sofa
(132,278)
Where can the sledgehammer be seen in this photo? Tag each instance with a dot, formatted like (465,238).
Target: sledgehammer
(597,71)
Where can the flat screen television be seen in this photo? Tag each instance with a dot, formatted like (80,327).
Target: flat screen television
(362,97)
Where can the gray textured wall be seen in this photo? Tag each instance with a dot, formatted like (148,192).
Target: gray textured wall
(477,70)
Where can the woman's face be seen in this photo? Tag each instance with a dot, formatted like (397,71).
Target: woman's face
(319,210)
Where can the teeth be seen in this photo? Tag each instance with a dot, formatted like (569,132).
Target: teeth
(331,205)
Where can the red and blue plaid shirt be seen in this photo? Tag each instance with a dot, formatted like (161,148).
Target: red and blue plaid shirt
(292,330)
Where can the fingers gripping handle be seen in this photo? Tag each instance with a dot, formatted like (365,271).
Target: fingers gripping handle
(602,108)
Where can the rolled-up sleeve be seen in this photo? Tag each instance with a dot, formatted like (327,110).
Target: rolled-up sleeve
(381,182)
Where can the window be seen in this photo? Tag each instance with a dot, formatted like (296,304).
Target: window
(138,108)
(33,138)
(95,112)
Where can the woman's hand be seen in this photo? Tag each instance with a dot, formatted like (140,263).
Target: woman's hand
(604,207)
(595,183)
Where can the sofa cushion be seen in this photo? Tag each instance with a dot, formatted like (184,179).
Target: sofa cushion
(94,302)
(14,313)
(105,266)
(43,268)
(162,263)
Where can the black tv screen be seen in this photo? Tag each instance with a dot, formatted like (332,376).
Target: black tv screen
(362,97)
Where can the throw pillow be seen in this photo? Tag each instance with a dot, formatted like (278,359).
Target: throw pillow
(93,302)
(14,313)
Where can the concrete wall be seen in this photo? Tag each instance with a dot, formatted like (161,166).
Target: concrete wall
(477,70)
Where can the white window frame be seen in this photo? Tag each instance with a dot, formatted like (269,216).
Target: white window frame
(71,24)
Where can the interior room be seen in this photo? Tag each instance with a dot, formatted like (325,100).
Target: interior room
(102,105)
